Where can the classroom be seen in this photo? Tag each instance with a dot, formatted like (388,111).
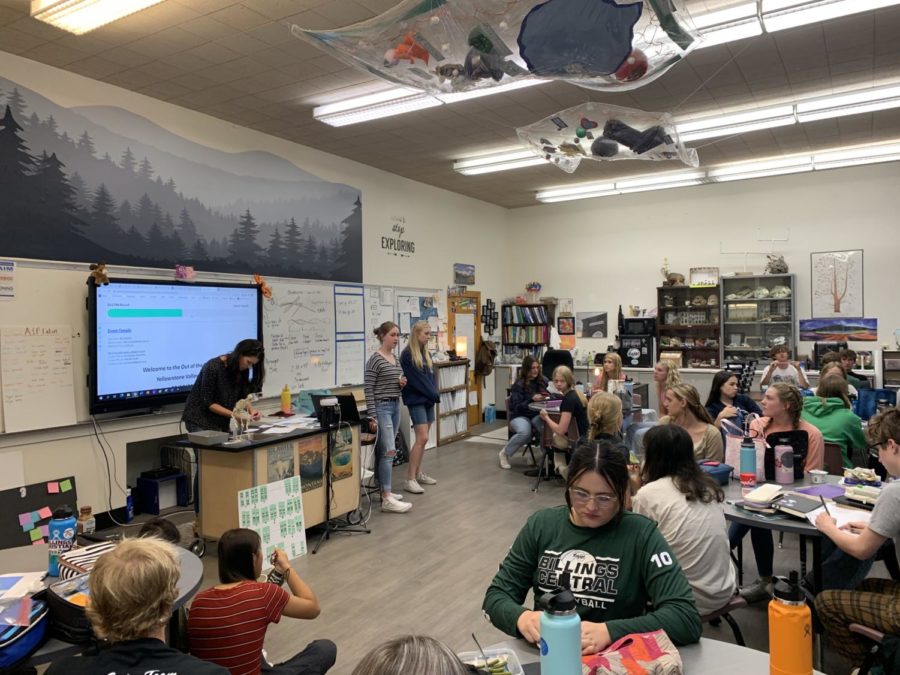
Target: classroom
(207,142)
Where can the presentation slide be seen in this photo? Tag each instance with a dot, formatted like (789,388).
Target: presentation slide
(154,338)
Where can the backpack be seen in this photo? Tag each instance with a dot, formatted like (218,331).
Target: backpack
(17,643)
(67,600)
(80,560)
(484,359)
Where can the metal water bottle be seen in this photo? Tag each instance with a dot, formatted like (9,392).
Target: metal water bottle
(61,531)
(748,462)
(560,632)
(790,629)
(784,464)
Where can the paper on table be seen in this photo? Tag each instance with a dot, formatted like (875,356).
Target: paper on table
(841,514)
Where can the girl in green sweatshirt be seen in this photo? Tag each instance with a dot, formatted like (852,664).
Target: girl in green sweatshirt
(617,562)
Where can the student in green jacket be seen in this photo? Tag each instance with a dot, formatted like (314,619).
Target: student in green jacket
(829,411)
(617,561)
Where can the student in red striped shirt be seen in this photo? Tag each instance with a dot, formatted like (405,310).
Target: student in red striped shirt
(227,623)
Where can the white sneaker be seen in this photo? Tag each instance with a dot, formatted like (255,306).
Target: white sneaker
(396,496)
(422,479)
(504,460)
(411,485)
(391,505)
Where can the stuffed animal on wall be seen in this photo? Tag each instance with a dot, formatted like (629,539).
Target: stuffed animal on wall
(98,274)
(776,265)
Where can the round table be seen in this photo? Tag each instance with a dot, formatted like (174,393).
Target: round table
(34,558)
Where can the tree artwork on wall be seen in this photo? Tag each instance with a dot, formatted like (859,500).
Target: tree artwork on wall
(95,183)
(837,283)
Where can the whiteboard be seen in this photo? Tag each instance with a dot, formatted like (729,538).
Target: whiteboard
(351,362)
(376,314)
(37,377)
(298,333)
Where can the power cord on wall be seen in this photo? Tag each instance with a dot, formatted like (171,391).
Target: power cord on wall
(110,474)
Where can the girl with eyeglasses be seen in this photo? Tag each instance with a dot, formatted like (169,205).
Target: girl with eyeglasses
(686,505)
(617,562)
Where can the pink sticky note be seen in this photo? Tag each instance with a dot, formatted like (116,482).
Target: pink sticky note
(45,530)
(53,488)
(37,542)
(25,519)
(45,513)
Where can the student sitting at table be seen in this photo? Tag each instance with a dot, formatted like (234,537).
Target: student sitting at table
(726,402)
(411,655)
(623,573)
(782,370)
(610,371)
(604,413)
(683,403)
(227,623)
(848,360)
(572,410)
(530,386)
(132,589)
(781,407)
(829,411)
(833,367)
(665,374)
(876,602)
(686,505)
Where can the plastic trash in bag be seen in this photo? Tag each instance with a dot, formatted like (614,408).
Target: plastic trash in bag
(602,132)
(446,46)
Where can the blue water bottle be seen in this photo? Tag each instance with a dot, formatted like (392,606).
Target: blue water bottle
(61,536)
(560,632)
(748,462)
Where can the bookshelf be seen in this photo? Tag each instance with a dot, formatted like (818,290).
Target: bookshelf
(451,412)
(758,313)
(525,327)
(688,325)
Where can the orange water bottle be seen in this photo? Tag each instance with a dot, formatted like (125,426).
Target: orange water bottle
(790,629)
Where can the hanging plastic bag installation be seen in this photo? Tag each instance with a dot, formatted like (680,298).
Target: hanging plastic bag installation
(445,46)
(598,131)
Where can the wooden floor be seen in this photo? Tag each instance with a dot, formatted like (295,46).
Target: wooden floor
(426,571)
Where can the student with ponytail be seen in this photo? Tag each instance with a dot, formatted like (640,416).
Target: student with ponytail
(419,395)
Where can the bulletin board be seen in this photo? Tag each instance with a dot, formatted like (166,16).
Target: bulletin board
(38,501)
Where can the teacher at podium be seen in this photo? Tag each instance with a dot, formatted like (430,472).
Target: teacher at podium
(222,382)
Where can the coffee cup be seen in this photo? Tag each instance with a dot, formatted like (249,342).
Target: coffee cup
(817,476)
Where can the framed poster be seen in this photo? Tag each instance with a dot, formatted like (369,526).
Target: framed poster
(837,283)
(566,325)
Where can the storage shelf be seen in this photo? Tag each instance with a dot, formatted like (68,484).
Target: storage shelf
(706,326)
(759,323)
(685,348)
(453,412)
(756,311)
(676,309)
(737,302)
(449,389)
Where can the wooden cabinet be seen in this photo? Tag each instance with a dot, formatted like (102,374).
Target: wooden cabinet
(687,326)
(451,418)
(757,314)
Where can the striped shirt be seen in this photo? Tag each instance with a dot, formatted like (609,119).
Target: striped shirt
(227,626)
(382,381)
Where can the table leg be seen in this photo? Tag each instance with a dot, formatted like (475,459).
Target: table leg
(802,556)
(819,640)
(740,562)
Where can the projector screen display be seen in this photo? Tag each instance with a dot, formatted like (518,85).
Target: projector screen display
(149,339)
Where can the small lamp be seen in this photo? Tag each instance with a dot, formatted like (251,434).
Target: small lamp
(462,346)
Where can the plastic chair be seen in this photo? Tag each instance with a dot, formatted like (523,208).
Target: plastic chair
(876,637)
(724,612)
(834,459)
(556,357)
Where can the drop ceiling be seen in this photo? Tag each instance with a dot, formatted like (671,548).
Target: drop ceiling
(236,60)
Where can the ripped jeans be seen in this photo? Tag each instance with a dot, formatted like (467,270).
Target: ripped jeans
(388,416)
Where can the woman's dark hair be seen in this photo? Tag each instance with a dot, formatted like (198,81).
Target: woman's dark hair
(162,528)
(603,458)
(719,379)
(777,349)
(525,370)
(236,550)
(384,329)
(249,347)
(669,452)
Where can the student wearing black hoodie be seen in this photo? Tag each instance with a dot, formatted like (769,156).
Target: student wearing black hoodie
(419,395)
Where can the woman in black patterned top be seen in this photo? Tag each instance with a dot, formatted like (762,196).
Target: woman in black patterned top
(384,378)
(222,382)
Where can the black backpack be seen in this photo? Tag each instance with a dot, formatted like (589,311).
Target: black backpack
(484,359)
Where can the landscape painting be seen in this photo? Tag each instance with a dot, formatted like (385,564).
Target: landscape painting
(104,184)
(839,330)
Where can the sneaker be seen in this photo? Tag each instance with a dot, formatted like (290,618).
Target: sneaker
(411,485)
(396,496)
(423,479)
(391,505)
(757,591)
(504,460)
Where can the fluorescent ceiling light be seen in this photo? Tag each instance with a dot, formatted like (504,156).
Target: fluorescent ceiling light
(728,25)
(735,123)
(346,112)
(776,166)
(849,103)
(499,161)
(81,16)
(782,14)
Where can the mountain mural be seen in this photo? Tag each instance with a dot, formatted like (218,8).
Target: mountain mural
(104,184)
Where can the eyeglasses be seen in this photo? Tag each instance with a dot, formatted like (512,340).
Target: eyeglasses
(873,449)
(583,497)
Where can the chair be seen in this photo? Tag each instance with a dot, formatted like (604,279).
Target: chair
(724,612)
(834,459)
(876,637)
(553,358)
(509,433)
(547,466)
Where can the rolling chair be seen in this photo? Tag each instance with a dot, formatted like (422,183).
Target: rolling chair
(553,358)
(834,459)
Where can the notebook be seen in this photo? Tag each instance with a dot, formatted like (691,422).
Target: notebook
(797,505)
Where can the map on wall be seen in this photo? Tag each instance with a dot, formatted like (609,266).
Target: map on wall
(102,183)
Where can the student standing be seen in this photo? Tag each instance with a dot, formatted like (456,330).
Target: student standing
(227,623)
(222,382)
(419,395)
(530,387)
(384,379)
(876,602)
